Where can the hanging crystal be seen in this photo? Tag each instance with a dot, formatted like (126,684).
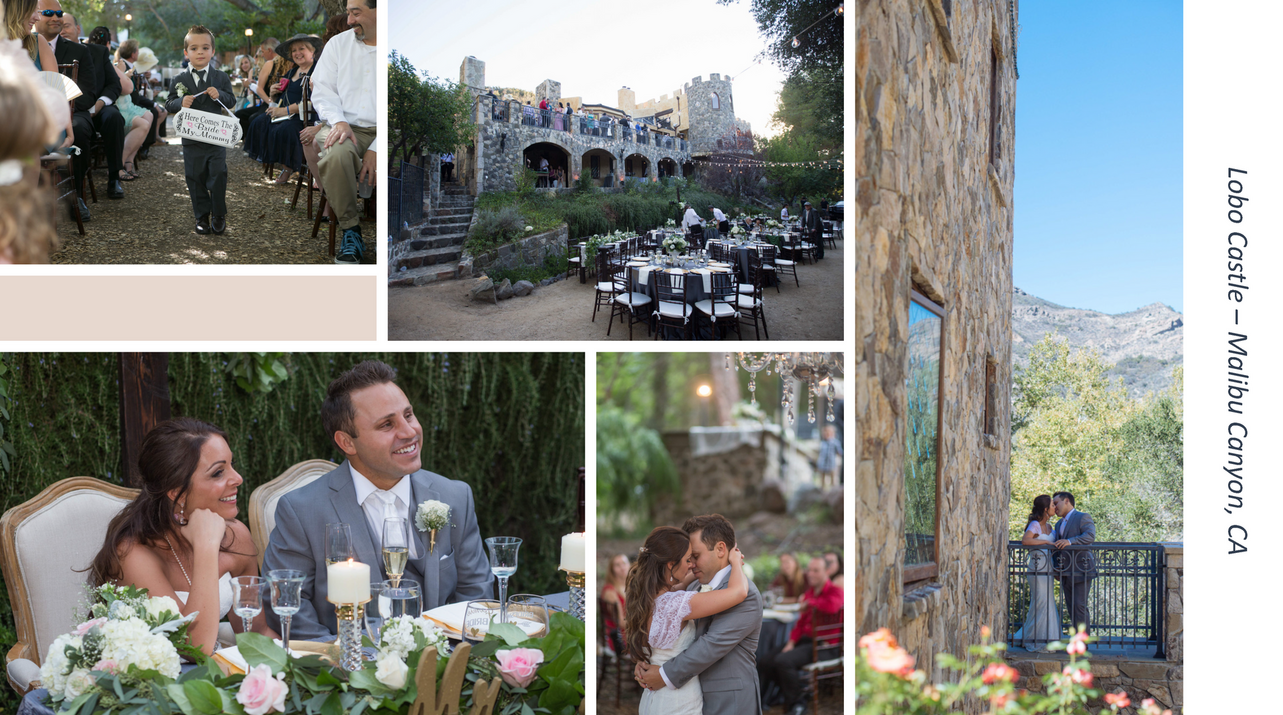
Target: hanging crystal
(810,404)
(752,389)
(831,394)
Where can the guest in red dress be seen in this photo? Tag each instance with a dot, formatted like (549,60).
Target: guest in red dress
(612,595)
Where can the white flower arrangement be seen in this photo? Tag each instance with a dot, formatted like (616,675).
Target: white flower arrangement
(670,223)
(129,632)
(674,244)
(403,634)
(737,230)
(430,516)
(181,89)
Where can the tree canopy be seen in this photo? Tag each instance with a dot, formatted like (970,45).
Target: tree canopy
(426,114)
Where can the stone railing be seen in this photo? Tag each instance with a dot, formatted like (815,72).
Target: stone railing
(529,251)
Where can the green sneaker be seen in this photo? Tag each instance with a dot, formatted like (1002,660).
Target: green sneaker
(352,249)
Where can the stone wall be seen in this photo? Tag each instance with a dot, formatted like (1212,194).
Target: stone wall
(707,125)
(727,483)
(528,251)
(932,215)
(1163,680)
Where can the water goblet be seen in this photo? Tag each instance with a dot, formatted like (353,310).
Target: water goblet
(530,613)
(401,597)
(477,617)
(249,598)
(374,616)
(338,543)
(287,588)
(503,564)
(396,546)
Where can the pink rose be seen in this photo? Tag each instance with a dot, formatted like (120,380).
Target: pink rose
(261,693)
(107,666)
(518,666)
(85,627)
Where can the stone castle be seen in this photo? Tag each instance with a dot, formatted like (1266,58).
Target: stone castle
(935,97)
(678,130)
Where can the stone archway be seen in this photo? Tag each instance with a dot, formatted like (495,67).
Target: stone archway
(637,166)
(558,163)
(599,164)
(666,167)
(688,168)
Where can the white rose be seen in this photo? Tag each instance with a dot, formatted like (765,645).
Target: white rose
(78,683)
(158,605)
(392,671)
(52,673)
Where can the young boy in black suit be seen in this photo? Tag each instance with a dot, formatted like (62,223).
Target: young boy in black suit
(209,90)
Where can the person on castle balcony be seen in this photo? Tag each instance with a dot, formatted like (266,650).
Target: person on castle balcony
(1075,569)
(1041,626)
(344,95)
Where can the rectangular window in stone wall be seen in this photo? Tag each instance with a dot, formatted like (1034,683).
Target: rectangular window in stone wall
(995,107)
(991,396)
(921,458)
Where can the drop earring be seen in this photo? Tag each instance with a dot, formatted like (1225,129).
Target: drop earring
(182,518)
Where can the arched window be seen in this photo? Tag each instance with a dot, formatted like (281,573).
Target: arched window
(717,103)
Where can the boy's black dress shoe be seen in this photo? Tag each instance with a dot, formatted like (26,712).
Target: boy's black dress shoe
(82,209)
(115,190)
(202,224)
(219,224)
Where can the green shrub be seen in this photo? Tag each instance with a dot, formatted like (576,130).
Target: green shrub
(495,228)
(584,184)
(525,182)
(554,264)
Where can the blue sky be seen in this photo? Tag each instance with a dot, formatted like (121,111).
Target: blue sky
(1098,154)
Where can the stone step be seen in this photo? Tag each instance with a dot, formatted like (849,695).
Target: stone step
(445,229)
(457,201)
(420,243)
(452,210)
(460,218)
(424,275)
(431,257)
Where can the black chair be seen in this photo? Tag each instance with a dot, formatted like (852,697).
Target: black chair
(750,301)
(611,647)
(673,309)
(722,302)
(605,288)
(627,303)
(767,254)
(789,265)
(573,260)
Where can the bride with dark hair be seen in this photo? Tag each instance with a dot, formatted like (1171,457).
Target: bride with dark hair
(1042,618)
(180,537)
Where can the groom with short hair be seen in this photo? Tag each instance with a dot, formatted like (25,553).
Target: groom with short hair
(1074,569)
(372,422)
(724,652)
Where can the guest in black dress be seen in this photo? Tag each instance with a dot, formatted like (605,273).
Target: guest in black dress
(277,142)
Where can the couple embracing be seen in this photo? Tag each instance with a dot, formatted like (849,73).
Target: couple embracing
(1073,569)
(693,618)
(180,537)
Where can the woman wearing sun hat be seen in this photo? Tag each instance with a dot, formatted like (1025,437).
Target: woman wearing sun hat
(276,131)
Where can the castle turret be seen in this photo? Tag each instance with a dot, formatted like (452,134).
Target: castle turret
(472,74)
(710,113)
(548,89)
(627,101)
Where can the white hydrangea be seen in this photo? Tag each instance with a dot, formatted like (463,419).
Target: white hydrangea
(130,642)
(52,674)
(397,636)
(78,683)
(121,611)
(158,605)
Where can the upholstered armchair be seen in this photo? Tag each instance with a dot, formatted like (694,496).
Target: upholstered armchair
(262,503)
(46,545)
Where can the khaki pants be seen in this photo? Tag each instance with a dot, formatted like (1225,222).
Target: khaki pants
(339,166)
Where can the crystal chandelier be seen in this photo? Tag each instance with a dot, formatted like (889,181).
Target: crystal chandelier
(810,368)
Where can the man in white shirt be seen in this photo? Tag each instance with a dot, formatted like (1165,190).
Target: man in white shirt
(372,422)
(343,93)
(723,225)
(784,214)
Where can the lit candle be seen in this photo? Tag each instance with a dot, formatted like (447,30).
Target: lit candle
(572,553)
(349,582)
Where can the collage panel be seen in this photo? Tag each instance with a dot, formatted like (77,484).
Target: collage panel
(1018,514)
(562,184)
(189,133)
(237,531)
(720,531)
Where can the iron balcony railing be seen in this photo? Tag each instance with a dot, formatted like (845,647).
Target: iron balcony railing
(1125,586)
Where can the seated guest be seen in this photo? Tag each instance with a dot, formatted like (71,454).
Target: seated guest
(27,235)
(244,76)
(270,72)
(833,565)
(180,538)
(311,150)
(138,119)
(790,581)
(784,667)
(139,67)
(612,593)
(70,28)
(344,96)
(19,18)
(278,138)
(108,120)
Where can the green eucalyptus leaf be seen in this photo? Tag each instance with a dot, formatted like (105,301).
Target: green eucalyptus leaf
(203,697)
(258,649)
(510,633)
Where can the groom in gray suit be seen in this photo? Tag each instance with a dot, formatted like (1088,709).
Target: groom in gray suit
(1075,569)
(724,652)
(373,423)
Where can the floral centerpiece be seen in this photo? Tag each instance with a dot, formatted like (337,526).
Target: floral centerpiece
(670,224)
(674,245)
(131,637)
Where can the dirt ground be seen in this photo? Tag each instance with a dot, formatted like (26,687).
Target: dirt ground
(154,222)
(563,311)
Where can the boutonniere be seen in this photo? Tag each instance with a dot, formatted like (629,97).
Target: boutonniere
(430,516)
(181,89)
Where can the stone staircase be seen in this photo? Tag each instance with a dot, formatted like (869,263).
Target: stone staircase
(437,245)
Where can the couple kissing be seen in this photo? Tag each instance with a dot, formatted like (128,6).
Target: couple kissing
(692,623)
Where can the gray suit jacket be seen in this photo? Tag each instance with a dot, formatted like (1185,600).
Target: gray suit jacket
(724,656)
(457,570)
(1078,528)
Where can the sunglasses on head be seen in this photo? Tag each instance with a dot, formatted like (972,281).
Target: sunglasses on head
(51,13)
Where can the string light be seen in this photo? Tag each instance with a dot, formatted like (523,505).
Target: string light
(836,12)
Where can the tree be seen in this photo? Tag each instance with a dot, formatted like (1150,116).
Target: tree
(426,114)
(790,182)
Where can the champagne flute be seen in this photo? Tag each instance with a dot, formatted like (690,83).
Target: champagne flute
(396,547)
(338,543)
(503,564)
(249,598)
(287,587)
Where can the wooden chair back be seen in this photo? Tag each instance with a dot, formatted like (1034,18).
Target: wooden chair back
(263,501)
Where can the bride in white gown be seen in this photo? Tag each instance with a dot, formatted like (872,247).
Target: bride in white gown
(660,619)
(1042,619)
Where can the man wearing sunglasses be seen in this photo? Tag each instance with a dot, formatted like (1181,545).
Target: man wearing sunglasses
(95,107)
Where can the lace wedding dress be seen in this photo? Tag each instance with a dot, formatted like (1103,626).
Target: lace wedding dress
(669,637)
(1042,619)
